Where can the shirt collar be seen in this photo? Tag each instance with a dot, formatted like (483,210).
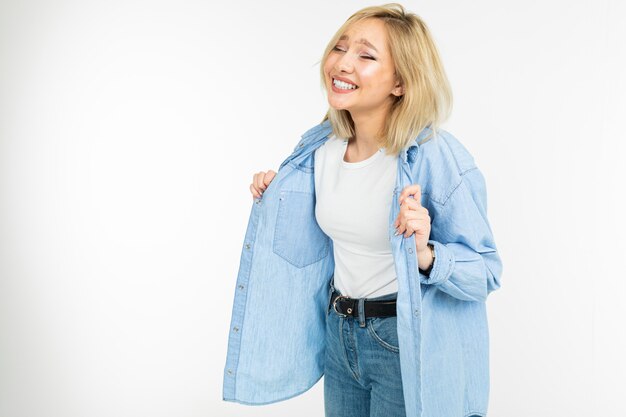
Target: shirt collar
(409,152)
(323,129)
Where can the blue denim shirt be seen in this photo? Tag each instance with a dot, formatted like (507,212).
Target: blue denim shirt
(276,341)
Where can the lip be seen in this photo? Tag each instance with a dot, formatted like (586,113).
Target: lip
(338,90)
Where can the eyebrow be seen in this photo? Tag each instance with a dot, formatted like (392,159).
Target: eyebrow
(362,40)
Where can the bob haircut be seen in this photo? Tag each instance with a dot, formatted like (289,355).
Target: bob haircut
(427,98)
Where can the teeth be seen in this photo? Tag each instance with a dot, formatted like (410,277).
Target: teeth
(344,85)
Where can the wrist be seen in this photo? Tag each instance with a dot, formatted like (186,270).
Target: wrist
(426,259)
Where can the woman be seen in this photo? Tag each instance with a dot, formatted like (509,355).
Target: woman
(372,202)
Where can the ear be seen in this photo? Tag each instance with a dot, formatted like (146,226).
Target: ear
(398,90)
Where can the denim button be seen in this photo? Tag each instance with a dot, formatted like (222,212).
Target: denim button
(240,287)
(236,328)
(247,246)
(410,250)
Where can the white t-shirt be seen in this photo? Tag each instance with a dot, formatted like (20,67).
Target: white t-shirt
(353,201)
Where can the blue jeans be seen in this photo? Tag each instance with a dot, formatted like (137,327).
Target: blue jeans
(362,367)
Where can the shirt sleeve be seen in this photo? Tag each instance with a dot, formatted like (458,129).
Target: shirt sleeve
(467,265)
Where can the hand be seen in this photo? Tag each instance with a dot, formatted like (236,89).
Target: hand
(413,218)
(260,181)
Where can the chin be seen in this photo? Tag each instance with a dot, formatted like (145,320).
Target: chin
(338,106)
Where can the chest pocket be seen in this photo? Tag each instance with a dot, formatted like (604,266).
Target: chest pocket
(298,238)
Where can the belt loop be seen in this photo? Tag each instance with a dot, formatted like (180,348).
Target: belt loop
(362,312)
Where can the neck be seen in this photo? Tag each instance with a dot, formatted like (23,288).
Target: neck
(367,126)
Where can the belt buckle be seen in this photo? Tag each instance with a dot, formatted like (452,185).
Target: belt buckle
(335,305)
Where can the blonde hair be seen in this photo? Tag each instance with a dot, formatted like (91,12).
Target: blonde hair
(427,98)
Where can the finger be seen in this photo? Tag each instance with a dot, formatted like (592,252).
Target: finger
(411,189)
(254,191)
(410,209)
(402,225)
(416,214)
(400,222)
(413,205)
(255,178)
(409,230)
(414,189)
(416,194)
(258,180)
(269,176)
(400,219)
(420,227)
(403,215)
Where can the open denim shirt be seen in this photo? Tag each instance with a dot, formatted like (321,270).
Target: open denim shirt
(276,340)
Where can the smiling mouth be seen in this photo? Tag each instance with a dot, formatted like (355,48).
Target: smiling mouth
(342,85)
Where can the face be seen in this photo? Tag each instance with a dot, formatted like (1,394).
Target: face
(359,72)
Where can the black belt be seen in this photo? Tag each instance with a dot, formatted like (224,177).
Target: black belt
(346,306)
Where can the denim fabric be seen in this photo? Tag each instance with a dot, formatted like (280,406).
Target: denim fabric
(277,334)
(362,376)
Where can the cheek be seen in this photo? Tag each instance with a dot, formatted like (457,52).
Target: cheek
(372,77)
(328,65)
(369,73)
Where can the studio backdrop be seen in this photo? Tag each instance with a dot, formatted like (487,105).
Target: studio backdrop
(130,132)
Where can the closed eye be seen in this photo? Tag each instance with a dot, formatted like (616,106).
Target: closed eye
(362,56)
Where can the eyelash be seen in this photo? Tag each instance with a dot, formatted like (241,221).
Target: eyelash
(363,56)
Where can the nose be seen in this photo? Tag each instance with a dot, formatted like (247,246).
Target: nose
(344,63)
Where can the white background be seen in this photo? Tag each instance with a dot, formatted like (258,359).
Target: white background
(129,134)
